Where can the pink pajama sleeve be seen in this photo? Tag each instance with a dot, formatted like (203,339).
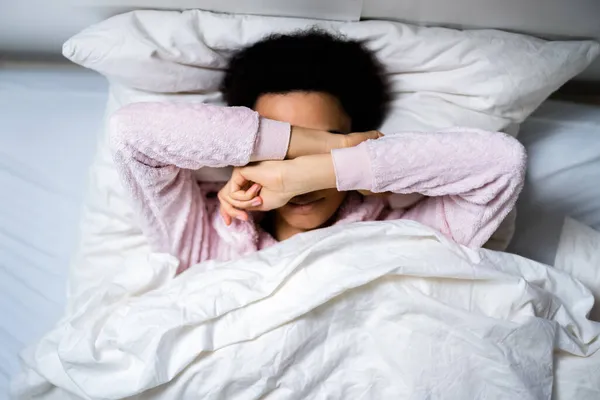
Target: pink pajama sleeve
(473,177)
(156,147)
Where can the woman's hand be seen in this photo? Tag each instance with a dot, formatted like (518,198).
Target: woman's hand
(279,182)
(238,194)
(241,193)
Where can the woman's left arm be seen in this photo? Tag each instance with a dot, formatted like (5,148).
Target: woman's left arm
(472,177)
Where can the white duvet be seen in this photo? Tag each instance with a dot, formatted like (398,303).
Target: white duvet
(368,311)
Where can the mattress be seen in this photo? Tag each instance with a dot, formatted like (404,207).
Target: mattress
(48,123)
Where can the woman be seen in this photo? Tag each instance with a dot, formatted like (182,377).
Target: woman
(298,167)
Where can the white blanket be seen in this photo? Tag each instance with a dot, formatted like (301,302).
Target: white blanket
(371,310)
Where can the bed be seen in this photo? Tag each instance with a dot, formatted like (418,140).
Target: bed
(44,160)
(131,328)
(49,119)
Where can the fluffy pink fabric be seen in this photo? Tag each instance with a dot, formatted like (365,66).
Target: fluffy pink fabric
(473,177)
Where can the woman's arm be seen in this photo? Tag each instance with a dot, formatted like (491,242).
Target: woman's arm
(473,177)
(195,135)
(156,145)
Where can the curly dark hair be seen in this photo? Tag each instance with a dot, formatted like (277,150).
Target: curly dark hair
(311,61)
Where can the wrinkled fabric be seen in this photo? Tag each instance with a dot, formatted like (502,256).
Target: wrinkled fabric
(373,310)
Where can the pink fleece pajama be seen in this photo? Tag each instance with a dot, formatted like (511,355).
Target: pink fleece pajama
(471,177)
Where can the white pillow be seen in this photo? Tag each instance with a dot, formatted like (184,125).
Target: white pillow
(441,77)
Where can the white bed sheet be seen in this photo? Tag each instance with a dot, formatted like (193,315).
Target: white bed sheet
(563,144)
(49,117)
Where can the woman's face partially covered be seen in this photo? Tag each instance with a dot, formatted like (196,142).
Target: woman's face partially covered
(314,110)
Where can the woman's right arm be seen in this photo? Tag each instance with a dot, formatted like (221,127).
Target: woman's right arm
(156,145)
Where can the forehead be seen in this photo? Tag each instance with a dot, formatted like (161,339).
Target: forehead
(314,110)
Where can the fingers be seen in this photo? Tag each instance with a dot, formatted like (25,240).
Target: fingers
(246,195)
(226,217)
(228,211)
(354,139)
(373,135)
(237,184)
(237,181)
(233,204)
(244,205)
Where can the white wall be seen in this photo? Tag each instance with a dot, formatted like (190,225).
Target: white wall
(559,17)
(41,26)
(324,9)
(29,26)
